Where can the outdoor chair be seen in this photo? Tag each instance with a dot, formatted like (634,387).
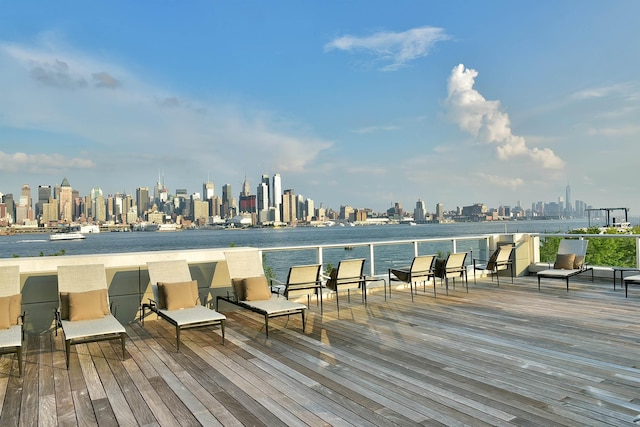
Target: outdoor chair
(348,275)
(303,280)
(84,313)
(11,314)
(499,260)
(176,298)
(570,261)
(420,271)
(251,289)
(452,268)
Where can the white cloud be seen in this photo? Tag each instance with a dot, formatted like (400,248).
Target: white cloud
(374,129)
(502,181)
(135,125)
(394,48)
(36,163)
(485,120)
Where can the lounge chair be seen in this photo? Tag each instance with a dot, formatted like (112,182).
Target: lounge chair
(302,280)
(453,268)
(420,271)
(172,279)
(84,313)
(348,275)
(569,261)
(499,260)
(11,314)
(630,280)
(251,290)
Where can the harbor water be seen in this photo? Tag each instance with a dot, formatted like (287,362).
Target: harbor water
(34,245)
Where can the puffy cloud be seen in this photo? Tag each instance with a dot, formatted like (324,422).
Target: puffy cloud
(502,181)
(396,48)
(34,163)
(106,80)
(485,120)
(56,73)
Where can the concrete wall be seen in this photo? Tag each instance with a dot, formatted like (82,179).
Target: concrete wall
(127,279)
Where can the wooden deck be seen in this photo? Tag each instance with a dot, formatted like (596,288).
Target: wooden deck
(495,356)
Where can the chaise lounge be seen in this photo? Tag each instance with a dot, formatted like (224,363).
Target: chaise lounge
(176,298)
(251,290)
(570,261)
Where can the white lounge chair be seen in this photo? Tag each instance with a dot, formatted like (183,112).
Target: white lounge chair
(84,313)
(499,260)
(11,312)
(420,271)
(569,261)
(348,275)
(302,280)
(452,268)
(176,273)
(249,283)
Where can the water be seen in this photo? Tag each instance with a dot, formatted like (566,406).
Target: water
(33,245)
(30,245)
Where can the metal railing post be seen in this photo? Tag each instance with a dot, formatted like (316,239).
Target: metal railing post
(372,263)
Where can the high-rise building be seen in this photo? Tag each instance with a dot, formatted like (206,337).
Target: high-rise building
(310,210)
(208,190)
(44,195)
(420,211)
(289,205)
(246,189)
(439,212)
(276,196)
(65,201)
(142,200)
(265,180)
(568,204)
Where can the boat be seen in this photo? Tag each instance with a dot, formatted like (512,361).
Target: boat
(90,228)
(66,236)
(167,227)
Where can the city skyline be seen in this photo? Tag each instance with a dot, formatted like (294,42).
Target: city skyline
(363,103)
(145,197)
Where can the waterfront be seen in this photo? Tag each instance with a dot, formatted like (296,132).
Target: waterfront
(27,245)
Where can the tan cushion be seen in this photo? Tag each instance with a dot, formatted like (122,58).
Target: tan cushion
(180,295)
(193,292)
(237,288)
(564,261)
(256,289)
(64,303)
(4,312)
(15,309)
(86,305)
(578,262)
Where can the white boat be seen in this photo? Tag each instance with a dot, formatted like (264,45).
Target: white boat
(90,228)
(66,236)
(167,227)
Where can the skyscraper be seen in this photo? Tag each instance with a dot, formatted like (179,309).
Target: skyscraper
(44,196)
(142,200)
(568,202)
(65,201)
(289,206)
(208,190)
(276,196)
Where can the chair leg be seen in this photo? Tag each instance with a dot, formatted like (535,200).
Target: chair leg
(177,338)
(123,338)
(67,348)
(304,320)
(19,353)
(266,325)
(222,330)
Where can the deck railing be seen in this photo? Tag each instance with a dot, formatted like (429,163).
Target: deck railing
(129,281)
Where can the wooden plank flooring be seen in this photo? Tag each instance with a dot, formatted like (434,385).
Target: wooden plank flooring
(495,356)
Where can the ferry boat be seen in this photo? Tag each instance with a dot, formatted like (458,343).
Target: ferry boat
(66,236)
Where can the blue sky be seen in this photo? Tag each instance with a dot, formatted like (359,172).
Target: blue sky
(364,103)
